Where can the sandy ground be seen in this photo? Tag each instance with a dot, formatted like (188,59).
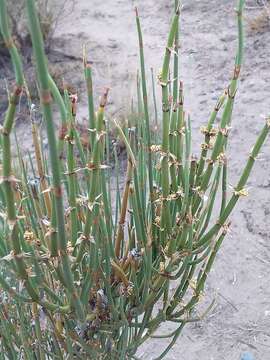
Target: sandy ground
(240,278)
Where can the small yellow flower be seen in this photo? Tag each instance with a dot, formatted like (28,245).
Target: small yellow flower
(29,236)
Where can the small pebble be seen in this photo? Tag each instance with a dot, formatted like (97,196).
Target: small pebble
(247,356)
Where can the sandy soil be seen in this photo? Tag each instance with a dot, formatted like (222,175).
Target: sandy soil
(240,320)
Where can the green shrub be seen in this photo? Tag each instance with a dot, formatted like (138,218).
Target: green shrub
(80,276)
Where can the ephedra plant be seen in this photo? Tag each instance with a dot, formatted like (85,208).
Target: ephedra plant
(80,277)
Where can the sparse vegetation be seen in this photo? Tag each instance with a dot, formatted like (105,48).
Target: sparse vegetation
(86,278)
(50,14)
(260,21)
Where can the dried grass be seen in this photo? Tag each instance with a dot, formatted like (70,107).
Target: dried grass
(260,20)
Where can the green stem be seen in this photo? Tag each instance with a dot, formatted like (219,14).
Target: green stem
(146,113)
(43,78)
